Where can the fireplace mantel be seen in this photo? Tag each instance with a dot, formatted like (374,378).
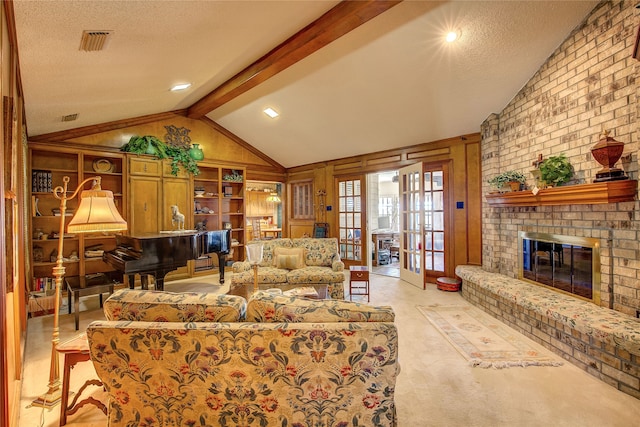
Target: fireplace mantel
(580,194)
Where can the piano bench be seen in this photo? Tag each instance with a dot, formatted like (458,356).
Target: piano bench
(82,286)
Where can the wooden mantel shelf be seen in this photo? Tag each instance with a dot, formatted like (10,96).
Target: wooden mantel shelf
(581,194)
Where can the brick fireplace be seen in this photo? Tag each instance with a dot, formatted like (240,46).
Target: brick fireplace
(588,84)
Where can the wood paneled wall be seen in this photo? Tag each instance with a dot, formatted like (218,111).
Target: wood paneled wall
(462,152)
(218,144)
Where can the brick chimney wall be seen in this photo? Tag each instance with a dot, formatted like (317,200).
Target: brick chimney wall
(588,84)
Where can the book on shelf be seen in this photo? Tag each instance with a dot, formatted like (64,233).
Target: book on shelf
(41,181)
(44,284)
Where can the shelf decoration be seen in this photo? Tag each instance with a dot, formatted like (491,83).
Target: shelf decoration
(196,153)
(556,170)
(514,179)
(607,152)
(234,176)
(149,144)
(103,166)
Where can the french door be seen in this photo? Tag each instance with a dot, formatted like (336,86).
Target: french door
(424,223)
(352,219)
(411,218)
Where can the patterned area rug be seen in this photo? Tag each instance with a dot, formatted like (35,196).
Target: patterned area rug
(483,340)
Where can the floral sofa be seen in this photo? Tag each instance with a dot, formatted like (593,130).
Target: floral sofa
(168,360)
(288,263)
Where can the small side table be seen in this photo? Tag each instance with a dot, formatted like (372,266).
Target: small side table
(358,274)
(82,286)
(76,350)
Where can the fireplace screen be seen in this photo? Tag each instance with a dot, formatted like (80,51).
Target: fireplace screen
(565,263)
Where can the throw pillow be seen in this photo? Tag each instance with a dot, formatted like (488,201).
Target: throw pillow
(288,262)
(291,257)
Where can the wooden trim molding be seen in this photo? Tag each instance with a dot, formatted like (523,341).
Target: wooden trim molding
(581,194)
(65,135)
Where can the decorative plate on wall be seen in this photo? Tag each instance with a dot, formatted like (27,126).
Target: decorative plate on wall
(102,166)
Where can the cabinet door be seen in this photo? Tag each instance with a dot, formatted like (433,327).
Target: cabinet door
(176,192)
(144,166)
(252,203)
(145,192)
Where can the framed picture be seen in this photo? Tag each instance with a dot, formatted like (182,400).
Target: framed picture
(321,229)
(226,225)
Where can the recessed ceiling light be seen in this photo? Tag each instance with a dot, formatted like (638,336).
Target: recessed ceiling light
(181,86)
(452,36)
(271,112)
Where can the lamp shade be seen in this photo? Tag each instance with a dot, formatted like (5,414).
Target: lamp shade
(97,212)
(273,198)
(254,253)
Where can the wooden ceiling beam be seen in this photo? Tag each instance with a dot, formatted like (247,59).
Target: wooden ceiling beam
(340,20)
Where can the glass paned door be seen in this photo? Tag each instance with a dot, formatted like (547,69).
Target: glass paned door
(351,220)
(411,219)
(434,224)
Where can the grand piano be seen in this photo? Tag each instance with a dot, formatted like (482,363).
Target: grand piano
(159,254)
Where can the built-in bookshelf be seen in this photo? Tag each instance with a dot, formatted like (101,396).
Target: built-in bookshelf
(219,204)
(82,253)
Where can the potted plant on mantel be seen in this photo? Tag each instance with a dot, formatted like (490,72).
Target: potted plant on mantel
(556,170)
(512,179)
(149,144)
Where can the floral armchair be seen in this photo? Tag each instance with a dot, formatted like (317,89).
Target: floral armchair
(287,369)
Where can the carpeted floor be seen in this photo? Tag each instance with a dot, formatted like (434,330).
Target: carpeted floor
(436,386)
(483,340)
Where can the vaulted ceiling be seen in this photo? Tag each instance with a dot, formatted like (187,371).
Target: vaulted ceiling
(389,81)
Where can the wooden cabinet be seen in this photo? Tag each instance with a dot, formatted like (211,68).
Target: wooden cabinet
(145,192)
(153,190)
(257,204)
(82,252)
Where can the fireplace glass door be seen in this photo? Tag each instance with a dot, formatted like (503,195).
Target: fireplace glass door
(564,263)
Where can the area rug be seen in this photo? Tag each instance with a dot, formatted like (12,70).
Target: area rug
(483,340)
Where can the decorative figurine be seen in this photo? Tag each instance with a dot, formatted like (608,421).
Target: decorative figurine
(177,217)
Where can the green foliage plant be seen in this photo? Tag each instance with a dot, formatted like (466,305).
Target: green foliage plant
(503,178)
(149,144)
(556,170)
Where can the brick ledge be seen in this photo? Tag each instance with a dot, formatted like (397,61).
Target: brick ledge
(609,326)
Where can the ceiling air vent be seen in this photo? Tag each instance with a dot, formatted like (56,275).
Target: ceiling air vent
(94,40)
(69,117)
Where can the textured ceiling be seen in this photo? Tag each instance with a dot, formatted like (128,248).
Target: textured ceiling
(391,82)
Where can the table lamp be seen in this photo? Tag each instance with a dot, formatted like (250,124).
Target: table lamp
(96,212)
(254,256)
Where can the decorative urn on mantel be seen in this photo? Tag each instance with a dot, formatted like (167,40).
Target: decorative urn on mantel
(607,152)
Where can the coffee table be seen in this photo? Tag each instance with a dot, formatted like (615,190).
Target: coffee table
(247,290)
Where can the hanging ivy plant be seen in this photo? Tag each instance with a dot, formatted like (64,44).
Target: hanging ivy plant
(180,157)
(149,144)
